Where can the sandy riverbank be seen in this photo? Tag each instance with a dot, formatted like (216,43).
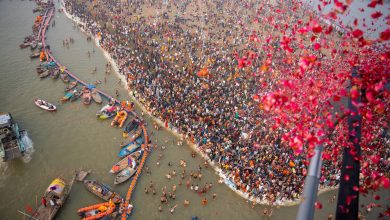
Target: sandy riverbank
(173,130)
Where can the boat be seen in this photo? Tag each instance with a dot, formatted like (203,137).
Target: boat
(134,124)
(124,175)
(33,45)
(132,138)
(71,86)
(11,144)
(96,96)
(87,98)
(55,195)
(24,45)
(41,70)
(55,74)
(96,211)
(102,191)
(45,74)
(131,147)
(67,96)
(119,119)
(64,77)
(76,95)
(107,111)
(128,161)
(34,55)
(45,105)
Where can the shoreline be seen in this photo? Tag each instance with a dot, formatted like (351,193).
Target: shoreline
(174,131)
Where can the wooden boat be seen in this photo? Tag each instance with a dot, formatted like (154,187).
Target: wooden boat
(131,147)
(24,45)
(76,95)
(107,111)
(67,96)
(119,119)
(96,96)
(128,161)
(34,55)
(132,137)
(55,195)
(33,45)
(41,70)
(102,191)
(45,105)
(134,124)
(124,175)
(64,77)
(87,98)
(71,86)
(96,211)
(55,74)
(45,74)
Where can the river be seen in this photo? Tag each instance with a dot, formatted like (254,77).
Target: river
(73,138)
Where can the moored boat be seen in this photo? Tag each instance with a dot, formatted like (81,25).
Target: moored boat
(55,74)
(129,161)
(34,55)
(24,45)
(107,111)
(131,147)
(45,74)
(54,197)
(96,211)
(87,98)
(102,191)
(64,77)
(45,105)
(67,96)
(76,95)
(119,119)
(130,127)
(96,96)
(124,175)
(71,86)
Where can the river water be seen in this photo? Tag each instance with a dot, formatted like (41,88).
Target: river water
(73,138)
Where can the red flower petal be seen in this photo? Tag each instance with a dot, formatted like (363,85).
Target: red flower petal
(385,35)
(376,14)
(357,33)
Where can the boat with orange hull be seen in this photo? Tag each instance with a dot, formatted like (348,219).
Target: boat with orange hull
(119,119)
(96,211)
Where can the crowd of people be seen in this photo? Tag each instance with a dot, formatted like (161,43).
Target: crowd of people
(180,61)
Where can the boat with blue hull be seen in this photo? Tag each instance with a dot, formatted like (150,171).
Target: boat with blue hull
(11,144)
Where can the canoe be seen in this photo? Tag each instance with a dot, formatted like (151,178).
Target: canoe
(67,96)
(45,74)
(128,161)
(124,175)
(130,127)
(96,97)
(45,105)
(55,195)
(55,74)
(96,211)
(107,111)
(119,119)
(71,86)
(131,147)
(102,191)
(64,77)
(87,97)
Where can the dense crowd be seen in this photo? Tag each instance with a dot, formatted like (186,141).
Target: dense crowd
(180,61)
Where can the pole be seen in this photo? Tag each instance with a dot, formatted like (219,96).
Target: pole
(309,196)
(348,198)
